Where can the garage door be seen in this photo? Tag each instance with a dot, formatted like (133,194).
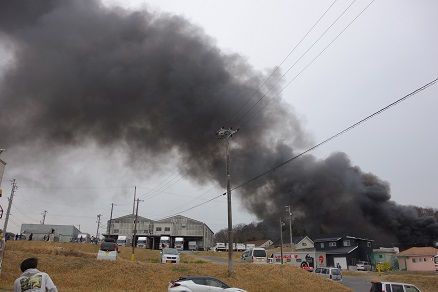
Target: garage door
(342,261)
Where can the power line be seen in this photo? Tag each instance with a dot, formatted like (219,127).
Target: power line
(339,133)
(416,91)
(279,65)
(299,59)
(314,59)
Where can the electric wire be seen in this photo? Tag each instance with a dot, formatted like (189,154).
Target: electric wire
(250,109)
(307,65)
(345,130)
(249,98)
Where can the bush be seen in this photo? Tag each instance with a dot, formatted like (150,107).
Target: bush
(383,267)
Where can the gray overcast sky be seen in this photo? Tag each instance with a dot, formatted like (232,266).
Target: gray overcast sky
(389,51)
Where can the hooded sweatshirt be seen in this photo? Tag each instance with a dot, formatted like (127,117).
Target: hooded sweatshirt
(32,280)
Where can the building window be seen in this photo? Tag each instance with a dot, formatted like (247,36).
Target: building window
(332,244)
(347,242)
(166,228)
(322,244)
(158,229)
(304,244)
(380,255)
(369,243)
(145,231)
(413,260)
(116,231)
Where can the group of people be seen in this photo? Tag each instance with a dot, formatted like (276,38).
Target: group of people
(33,280)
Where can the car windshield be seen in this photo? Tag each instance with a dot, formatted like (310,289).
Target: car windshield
(108,246)
(259,253)
(170,251)
(336,272)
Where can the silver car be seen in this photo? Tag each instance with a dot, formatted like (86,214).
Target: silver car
(363,266)
(392,287)
(200,284)
(329,273)
(170,255)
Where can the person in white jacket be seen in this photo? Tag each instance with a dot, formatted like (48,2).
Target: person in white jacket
(32,280)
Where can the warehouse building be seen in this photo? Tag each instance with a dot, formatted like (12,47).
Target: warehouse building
(61,233)
(177,226)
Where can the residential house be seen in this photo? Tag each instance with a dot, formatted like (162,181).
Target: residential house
(302,242)
(386,255)
(418,259)
(345,250)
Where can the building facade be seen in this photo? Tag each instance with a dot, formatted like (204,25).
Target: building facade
(345,250)
(61,233)
(419,259)
(177,226)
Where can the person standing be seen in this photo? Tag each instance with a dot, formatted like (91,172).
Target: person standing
(30,236)
(32,279)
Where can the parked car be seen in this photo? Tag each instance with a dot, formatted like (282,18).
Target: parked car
(330,273)
(108,251)
(255,255)
(200,284)
(170,255)
(363,266)
(392,287)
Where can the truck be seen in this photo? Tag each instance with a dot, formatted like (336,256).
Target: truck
(121,240)
(142,242)
(240,246)
(164,242)
(179,243)
(303,259)
(193,245)
(250,245)
(220,246)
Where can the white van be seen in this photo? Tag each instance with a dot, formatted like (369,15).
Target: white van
(255,255)
(121,240)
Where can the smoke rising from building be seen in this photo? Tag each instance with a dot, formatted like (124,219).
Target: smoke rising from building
(156,84)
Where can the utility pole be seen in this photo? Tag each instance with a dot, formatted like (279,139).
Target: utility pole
(98,225)
(111,220)
(289,210)
(8,211)
(281,240)
(133,209)
(223,133)
(44,216)
(134,233)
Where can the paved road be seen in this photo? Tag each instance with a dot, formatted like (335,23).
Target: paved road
(357,283)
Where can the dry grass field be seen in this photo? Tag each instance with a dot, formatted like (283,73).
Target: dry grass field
(73,267)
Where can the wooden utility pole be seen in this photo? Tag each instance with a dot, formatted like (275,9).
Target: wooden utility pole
(134,233)
(98,226)
(44,213)
(111,220)
(223,133)
(281,240)
(8,211)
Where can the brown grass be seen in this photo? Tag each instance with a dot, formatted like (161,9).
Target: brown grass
(73,267)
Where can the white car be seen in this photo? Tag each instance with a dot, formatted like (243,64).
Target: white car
(363,266)
(200,284)
(170,255)
(108,251)
(255,255)
(392,287)
(331,273)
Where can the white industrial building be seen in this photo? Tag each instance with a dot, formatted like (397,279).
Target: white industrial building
(61,233)
(176,226)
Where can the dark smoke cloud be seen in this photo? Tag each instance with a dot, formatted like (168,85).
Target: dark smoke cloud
(155,84)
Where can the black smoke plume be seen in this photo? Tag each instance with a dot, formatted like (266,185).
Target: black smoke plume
(156,84)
